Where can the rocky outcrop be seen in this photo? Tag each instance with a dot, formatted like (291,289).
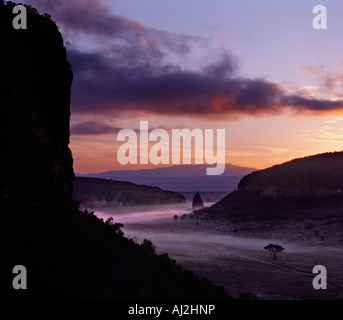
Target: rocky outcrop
(197,202)
(98,193)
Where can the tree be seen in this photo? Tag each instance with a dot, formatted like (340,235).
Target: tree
(274,249)
(116,227)
(148,247)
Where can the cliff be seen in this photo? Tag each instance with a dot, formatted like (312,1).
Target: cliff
(97,193)
(68,253)
(35,84)
(303,188)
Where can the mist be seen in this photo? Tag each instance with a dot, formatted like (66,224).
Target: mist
(236,261)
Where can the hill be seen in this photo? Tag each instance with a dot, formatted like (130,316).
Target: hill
(68,253)
(97,193)
(319,175)
(180,178)
(305,187)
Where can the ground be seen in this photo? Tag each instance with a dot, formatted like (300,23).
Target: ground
(239,262)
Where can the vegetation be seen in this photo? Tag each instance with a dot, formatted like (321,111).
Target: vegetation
(318,175)
(116,227)
(95,193)
(274,249)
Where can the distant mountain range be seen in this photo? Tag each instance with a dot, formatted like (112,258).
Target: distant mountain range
(304,187)
(179,178)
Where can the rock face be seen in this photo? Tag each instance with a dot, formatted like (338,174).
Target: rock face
(197,201)
(67,253)
(98,193)
(307,187)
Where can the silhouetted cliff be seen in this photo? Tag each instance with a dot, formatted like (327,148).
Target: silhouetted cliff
(306,187)
(35,82)
(68,253)
(97,193)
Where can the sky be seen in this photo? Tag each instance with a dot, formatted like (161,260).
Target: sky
(255,68)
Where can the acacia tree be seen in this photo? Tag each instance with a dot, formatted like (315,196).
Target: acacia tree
(274,249)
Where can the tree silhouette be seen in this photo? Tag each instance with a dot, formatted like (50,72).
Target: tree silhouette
(116,227)
(148,247)
(274,249)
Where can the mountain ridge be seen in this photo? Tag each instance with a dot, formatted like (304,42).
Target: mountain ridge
(183,178)
(182,170)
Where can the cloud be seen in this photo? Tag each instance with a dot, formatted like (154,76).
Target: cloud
(94,18)
(331,82)
(273,150)
(311,104)
(117,82)
(327,133)
(99,127)
(132,68)
(92,128)
(313,70)
(335,120)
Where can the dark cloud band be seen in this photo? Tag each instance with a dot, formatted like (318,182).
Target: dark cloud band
(132,72)
(103,85)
